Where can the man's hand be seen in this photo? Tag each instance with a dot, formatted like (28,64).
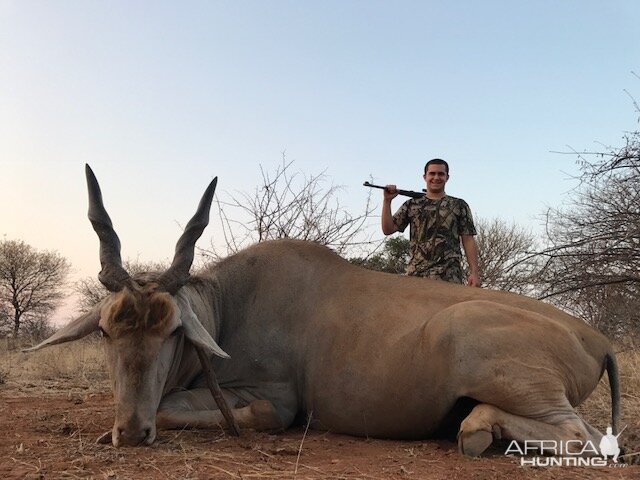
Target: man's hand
(390,192)
(473,280)
(388,227)
(471,251)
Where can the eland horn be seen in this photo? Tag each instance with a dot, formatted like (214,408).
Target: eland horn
(113,276)
(178,273)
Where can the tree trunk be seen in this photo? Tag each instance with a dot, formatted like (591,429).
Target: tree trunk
(16,324)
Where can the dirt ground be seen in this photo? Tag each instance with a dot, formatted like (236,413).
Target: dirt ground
(52,435)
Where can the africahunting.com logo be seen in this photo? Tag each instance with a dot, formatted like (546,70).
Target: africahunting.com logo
(570,453)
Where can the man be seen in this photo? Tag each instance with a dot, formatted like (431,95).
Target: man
(438,224)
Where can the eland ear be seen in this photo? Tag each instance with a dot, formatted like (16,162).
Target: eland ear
(194,331)
(78,328)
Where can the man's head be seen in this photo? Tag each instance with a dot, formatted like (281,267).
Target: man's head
(436,175)
(436,161)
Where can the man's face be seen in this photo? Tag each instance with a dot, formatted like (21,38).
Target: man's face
(436,178)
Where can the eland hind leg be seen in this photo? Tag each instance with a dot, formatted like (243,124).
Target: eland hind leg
(487,422)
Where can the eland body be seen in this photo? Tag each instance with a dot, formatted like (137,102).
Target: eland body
(358,352)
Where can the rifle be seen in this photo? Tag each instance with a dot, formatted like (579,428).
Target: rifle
(406,193)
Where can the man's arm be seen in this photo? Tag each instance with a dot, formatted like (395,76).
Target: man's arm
(471,251)
(388,226)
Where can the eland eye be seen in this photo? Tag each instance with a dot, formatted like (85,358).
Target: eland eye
(103,334)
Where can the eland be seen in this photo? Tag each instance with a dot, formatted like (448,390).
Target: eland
(292,330)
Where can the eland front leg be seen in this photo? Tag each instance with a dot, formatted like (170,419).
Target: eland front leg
(194,409)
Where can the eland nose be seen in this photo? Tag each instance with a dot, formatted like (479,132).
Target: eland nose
(133,437)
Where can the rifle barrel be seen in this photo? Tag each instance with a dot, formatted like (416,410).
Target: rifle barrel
(406,193)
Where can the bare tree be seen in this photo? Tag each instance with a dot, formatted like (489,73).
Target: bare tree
(291,205)
(31,284)
(506,261)
(90,291)
(37,328)
(612,309)
(596,239)
(5,318)
(610,159)
(592,263)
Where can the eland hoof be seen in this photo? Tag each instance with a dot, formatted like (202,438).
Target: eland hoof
(474,443)
(105,438)
(265,416)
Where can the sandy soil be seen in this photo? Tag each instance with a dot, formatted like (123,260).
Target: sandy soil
(52,435)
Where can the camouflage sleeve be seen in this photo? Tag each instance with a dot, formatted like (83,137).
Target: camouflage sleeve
(466,226)
(401,217)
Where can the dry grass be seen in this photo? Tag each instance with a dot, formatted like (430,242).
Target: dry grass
(76,367)
(597,408)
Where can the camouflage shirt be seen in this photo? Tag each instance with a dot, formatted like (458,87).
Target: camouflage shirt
(436,227)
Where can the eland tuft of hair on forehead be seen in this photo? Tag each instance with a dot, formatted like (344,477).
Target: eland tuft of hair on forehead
(143,310)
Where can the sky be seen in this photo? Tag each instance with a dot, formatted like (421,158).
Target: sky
(159,97)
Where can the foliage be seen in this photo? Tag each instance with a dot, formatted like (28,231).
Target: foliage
(392,259)
(31,286)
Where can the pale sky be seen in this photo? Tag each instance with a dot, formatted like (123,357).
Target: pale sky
(159,97)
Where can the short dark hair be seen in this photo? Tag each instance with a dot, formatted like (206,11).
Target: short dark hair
(436,161)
